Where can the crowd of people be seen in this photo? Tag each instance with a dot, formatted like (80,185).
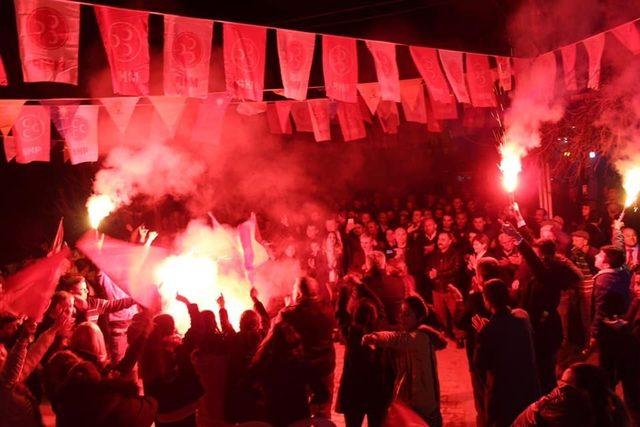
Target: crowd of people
(546,309)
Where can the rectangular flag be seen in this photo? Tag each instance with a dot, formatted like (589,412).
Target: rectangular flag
(32,132)
(244,60)
(81,136)
(351,124)
(384,56)
(413,101)
(595,46)
(480,80)
(3,74)
(504,72)
(208,125)
(426,60)
(295,51)
(48,34)
(453,68)
(126,40)
(283,109)
(569,67)
(187,52)
(628,35)
(301,117)
(340,68)
(444,110)
(319,112)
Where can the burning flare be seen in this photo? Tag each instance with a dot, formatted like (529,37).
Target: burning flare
(99,206)
(631,184)
(510,165)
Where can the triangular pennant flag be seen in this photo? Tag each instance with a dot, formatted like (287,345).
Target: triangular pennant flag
(9,147)
(388,116)
(364,111)
(3,74)
(48,35)
(120,110)
(351,124)
(9,111)
(480,81)
(340,68)
(433,125)
(569,67)
(28,292)
(61,115)
(444,110)
(319,111)
(81,136)
(301,117)
(595,47)
(283,108)
(370,92)
(170,110)
(453,68)
(629,36)
(58,240)
(251,108)
(384,55)
(208,125)
(273,121)
(244,60)
(32,131)
(413,101)
(295,51)
(504,72)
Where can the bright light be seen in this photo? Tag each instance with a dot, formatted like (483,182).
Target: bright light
(567,154)
(98,207)
(510,165)
(631,184)
(592,154)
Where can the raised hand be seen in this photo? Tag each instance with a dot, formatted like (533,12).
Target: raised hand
(182,298)
(479,323)
(220,301)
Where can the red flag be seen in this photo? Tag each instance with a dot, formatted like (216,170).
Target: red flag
(480,81)
(452,64)
(426,60)
(384,55)
(253,252)
(251,108)
(295,50)
(444,111)
(351,123)
(340,66)
(370,93)
(169,109)
(120,110)
(473,117)
(9,147)
(273,121)
(48,32)
(58,241)
(433,125)
(187,52)
(29,291)
(319,112)
(595,46)
(82,135)
(301,117)
(388,116)
(569,66)
(413,101)
(504,72)
(208,125)
(283,109)
(125,37)
(244,59)
(628,36)
(9,111)
(3,74)
(130,266)
(32,133)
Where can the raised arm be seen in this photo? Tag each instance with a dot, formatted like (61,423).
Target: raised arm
(258,307)
(105,306)
(225,324)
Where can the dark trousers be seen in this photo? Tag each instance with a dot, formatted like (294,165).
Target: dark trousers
(375,418)
(321,395)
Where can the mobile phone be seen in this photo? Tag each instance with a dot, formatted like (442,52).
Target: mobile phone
(350,221)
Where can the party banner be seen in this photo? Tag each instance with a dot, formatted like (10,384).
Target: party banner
(480,80)
(474,118)
(433,124)
(370,93)
(9,147)
(244,60)
(251,108)
(208,125)
(126,40)
(32,132)
(444,110)
(504,72)
(61,114)
(453,67)
(384,56)
(319,112)
(9,111)
(301,117)
(169,109)
(426,60)
(187,52)
(48,34)
(569,67)
(273,121)
(628,35)
(81,136)
(283,109)
(120,110)
(295,51)
(3,74)
(350,120)
(388,116)
(340,67)
(595,46)
(413,101)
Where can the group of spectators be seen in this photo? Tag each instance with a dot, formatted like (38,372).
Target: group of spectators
(546,309)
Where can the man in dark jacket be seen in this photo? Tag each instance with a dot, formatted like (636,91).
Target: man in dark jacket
(505,357)
(313,321)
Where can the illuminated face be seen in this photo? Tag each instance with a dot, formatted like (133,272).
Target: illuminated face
(372,228)
(416,217)
(444,242)
(461,220)
(479,247)
(80,290)
(600,260)
(540,215)
(365,218)
(635,284)
(331,239)
(586,211)
(390,235)
(579,242)
(447,222)
(312,231)
(546,233)
(401,237)
(479,223)
(630,237)
(331,225)
(457,204)
(408,318)
(430,227)
(366,243)
(506,242)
